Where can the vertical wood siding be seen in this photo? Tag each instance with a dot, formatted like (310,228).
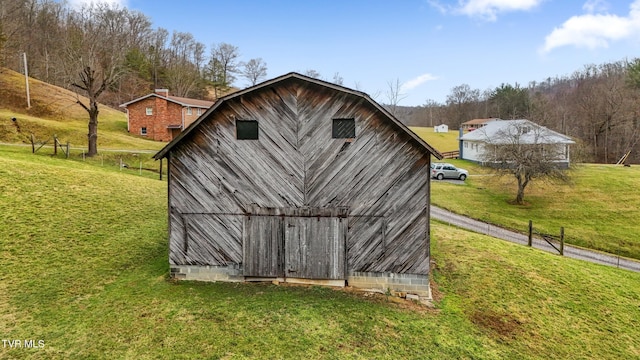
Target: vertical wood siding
(381,177)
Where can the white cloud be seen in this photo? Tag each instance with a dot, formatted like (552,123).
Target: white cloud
(417,81)
(594,30)
(77,4)
(489,9)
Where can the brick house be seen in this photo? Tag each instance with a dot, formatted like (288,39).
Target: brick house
(160,116)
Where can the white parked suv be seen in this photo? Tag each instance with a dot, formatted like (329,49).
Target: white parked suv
(447,171)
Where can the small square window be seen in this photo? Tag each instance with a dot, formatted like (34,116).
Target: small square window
(143,130)
(189,112)
(343,129)
(247,129)
(199,111)
(149,111)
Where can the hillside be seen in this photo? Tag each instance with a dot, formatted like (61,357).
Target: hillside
(54,111)
(443,142)
(91,282)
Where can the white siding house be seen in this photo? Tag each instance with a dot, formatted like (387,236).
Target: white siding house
(442,128)
(477,145)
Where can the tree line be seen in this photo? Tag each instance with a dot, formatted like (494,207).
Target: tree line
(598,106)
(114,54)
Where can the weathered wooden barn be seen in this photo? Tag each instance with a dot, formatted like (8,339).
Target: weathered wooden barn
(298,179)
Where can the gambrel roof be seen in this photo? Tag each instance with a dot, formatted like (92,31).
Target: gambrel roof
(292,75)
(503,131)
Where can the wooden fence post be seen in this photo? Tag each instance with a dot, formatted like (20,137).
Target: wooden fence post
(55,145)
(161,169)
(562,241)
(530,233)
(68,149)
(33,144)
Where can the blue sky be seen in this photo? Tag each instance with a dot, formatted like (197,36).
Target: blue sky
(430,46)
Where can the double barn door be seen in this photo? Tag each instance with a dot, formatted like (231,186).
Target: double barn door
(294,246)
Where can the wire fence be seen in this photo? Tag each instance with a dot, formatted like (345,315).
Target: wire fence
(126,160)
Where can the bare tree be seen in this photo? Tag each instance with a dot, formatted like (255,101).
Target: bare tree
(394,95)
(96,41)
(312,74)
(463,105)
(222,65)
(525,151)
(337,79)
(254,70)
(185,56)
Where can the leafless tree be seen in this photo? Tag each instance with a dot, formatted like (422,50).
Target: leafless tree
(337,79)
(394,95)
(96,40)
(524,151)
(223,65)
(254,70)
(312,74)
(464,104)
(185,56)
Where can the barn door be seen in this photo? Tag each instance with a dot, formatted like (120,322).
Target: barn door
(314,247)
(263,246)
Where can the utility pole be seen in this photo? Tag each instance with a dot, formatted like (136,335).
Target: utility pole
(26,79)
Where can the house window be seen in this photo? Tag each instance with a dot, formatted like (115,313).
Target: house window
(143,131)
(343,129)
(247,129)
(149,111)
(189,112)
(199,111)
(466,145)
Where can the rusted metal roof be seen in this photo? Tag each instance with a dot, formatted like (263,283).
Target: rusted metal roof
(479,121)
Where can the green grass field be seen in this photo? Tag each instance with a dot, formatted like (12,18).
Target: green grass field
(84,259)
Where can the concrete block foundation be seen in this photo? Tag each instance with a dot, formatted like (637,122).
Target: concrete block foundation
(407,284)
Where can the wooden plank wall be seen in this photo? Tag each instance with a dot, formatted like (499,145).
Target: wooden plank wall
(381,177)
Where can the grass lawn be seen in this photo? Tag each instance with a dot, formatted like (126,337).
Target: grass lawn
(84,259)
(442,142)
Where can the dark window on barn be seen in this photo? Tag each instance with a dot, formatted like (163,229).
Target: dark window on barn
(343,129)
(247,129)
(143,130)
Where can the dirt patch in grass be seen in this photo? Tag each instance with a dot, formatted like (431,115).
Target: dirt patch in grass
(504,326)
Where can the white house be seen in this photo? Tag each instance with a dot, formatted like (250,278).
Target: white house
(442,128)
(477,145)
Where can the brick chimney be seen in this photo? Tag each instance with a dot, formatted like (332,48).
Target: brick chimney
(162,92)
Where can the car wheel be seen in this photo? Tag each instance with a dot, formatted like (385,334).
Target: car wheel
(463,177)
(440,177)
